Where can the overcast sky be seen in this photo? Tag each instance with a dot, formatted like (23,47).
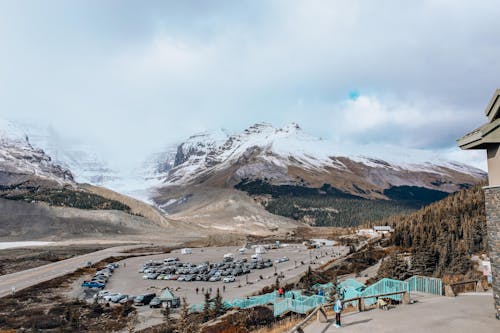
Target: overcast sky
(129,77)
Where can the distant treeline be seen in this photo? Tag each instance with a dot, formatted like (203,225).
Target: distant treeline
(63,197)
(328,206)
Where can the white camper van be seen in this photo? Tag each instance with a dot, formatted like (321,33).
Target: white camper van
(186,251)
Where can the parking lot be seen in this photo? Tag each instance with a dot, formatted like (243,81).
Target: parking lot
(128,280)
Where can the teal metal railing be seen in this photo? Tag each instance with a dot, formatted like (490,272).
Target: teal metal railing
(426,284)
(294,301)
(382,287)
(351,283)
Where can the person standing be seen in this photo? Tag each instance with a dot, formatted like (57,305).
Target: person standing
(337,308)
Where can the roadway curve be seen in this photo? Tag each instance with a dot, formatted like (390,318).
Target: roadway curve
(30,277)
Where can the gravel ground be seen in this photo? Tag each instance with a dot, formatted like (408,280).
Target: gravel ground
(127,280)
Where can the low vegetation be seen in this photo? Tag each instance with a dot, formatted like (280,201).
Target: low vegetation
(62,197)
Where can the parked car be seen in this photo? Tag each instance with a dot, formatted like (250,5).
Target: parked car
(109,296)
(214,278)
(170,260)
(126,299)
(155,303)
(228,279)
(144,299)
(101,293)
(93,284)
(118,298)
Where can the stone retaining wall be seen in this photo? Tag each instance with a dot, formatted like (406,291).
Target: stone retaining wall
(492,199)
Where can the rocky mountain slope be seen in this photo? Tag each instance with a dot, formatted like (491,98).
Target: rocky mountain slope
(21,163)
(290,156)
(269,162)
(39,199)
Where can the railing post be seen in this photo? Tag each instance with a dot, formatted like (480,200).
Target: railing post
(321,315)
(406,297)
(448,291)
(361,304)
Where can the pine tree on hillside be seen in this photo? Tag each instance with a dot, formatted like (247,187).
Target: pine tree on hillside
(206,308)
(444,234)
(185,324)
(394,267)
(218,305)
(423,263)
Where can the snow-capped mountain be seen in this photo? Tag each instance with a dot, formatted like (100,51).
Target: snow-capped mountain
(290,156)
(85,164)
(21,163)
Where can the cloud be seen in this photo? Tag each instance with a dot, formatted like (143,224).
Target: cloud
(135,77)
(415,123)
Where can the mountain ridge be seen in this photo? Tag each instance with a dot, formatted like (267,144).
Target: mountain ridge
(290,156)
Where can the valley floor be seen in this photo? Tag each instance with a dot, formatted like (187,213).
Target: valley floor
(464,313)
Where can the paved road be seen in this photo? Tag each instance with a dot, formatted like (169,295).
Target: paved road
(30,277)
(464,313)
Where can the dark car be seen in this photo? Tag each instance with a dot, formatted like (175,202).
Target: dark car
(144,299)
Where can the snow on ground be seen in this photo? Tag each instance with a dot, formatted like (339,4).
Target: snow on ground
(10,245)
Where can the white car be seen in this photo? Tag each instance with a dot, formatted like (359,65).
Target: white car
(109,296)
(102,293)
(228,279)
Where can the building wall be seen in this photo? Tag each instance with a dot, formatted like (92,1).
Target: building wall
(494,165)
(492,199)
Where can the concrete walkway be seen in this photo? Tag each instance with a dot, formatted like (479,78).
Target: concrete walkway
(464,313)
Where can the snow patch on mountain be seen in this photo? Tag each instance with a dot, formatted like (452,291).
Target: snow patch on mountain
(262,151)
(21,162)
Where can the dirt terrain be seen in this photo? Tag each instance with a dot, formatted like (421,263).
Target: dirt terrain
(19,259)
(222,210)
(44,307)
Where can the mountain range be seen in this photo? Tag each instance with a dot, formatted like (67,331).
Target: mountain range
(240,182)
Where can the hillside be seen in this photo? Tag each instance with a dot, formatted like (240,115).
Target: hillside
(295,175)
(327,206)
(443,235)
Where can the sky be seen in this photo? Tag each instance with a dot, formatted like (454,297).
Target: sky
(130,77)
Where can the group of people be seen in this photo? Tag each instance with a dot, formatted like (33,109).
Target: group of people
(209,290)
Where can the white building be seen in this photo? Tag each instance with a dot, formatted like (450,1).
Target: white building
(382,229)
